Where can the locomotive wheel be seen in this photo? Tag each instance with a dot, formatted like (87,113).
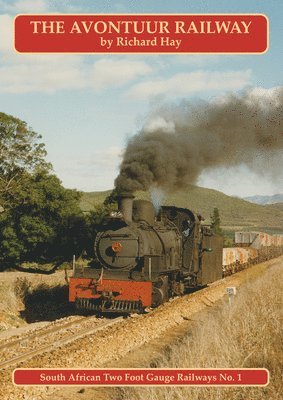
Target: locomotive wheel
(160,291)
(158,296)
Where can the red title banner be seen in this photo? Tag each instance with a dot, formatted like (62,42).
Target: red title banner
(97,33)
(142,377)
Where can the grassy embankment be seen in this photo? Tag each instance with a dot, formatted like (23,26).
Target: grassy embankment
(245,335)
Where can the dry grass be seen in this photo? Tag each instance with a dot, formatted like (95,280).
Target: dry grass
(11,301)
(247,334)
(26,297)
(22,288)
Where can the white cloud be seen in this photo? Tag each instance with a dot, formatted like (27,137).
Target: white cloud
(109,157)
(264,96)
(24,6)
(39,6)
(193,82)
(50,73)
(111,72)
(41,75)
(159,123)
(6,37)
(240,181)
(96,172)
(196,59)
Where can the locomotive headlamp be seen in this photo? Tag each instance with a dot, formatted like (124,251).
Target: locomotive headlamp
(116,247)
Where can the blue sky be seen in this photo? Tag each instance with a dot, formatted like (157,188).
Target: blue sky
(86,106)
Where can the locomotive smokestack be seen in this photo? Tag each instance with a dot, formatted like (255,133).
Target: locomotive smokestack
(125,205)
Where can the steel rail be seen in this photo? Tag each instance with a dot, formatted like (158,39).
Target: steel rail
(71,338)
(41,333)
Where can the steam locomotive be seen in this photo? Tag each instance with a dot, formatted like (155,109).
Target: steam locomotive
(141,260)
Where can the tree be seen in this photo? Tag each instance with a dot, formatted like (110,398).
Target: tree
(111,198)
(46,224)
(21,154)
(41,220)
(216,221)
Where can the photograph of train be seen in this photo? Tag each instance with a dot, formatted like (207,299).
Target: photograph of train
(141,201)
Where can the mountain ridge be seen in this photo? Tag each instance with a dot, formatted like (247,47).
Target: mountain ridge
(235,213)
(265,200)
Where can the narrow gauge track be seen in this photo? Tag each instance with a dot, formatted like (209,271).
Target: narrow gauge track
(15,355)
(40,333)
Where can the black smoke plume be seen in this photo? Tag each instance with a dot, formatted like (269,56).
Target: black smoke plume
(178,142)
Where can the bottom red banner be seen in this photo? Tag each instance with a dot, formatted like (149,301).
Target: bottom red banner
(142,377)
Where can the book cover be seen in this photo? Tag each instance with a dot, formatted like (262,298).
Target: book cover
(117,118)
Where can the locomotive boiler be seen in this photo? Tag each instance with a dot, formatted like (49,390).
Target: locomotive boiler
(142,259)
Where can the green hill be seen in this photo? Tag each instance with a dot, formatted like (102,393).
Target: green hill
(235,213)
